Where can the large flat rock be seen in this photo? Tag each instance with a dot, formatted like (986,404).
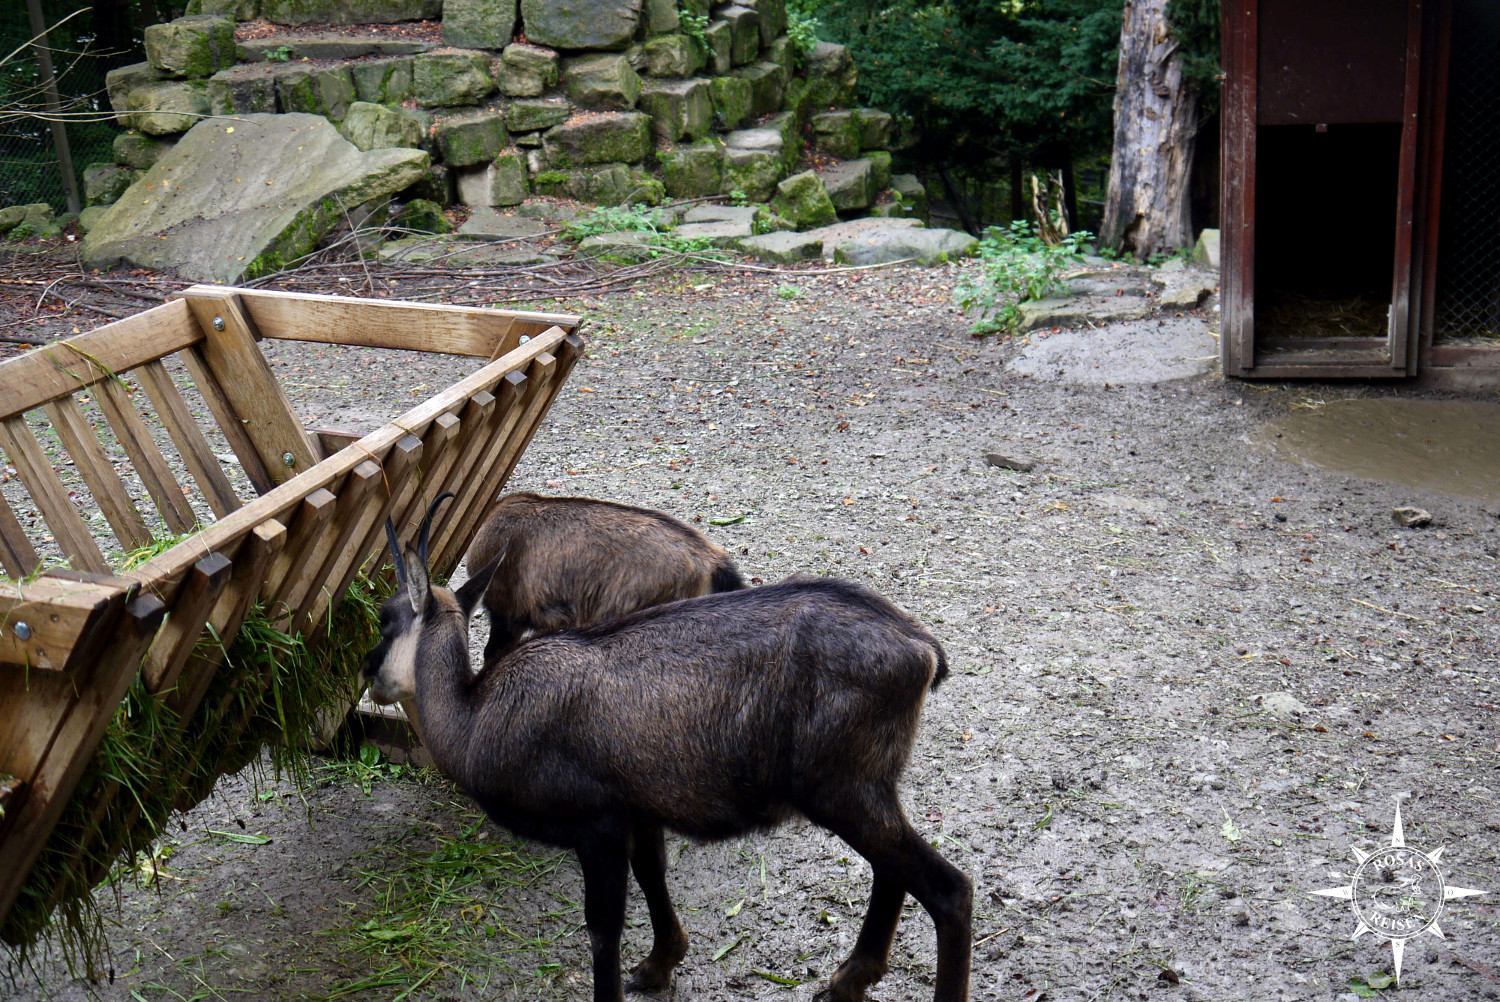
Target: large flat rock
(232,201)
(1121,353)
(884,245)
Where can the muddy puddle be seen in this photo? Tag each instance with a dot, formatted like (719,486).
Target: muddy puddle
(1449,446)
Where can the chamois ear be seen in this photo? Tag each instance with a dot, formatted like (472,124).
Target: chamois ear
(396,559)
(472,590)
(416,582)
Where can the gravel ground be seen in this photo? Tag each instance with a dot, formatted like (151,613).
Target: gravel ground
(1141,815)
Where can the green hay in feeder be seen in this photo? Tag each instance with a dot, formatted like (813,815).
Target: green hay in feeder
(280,686)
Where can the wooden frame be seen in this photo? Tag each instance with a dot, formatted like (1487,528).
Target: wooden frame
(310,518)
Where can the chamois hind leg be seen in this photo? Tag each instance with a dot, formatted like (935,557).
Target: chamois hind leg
(648,859)
(875,827)
(606,868)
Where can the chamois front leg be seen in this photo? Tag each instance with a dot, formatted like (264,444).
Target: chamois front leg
(606,868)
(668,942)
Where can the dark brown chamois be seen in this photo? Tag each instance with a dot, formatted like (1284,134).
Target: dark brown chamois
(577,561)
(711,716)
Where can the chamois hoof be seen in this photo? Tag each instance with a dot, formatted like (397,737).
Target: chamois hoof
(648,979)
(850,981)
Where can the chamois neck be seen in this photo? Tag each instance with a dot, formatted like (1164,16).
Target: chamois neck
(445,702)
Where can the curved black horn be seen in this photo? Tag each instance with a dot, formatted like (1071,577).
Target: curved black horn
(427,525)
(397,560)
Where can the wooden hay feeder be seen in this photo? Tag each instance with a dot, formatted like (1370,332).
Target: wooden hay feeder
(284,532)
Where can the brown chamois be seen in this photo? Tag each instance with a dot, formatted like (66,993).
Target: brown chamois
(577,561)
(711,716)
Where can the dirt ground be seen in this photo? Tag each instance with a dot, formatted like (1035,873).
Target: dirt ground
(1139,822)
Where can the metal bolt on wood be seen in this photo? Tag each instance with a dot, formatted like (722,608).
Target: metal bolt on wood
(22,631)
(288,459)
(218,326)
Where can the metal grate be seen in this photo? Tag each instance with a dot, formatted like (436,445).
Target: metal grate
(1468,277)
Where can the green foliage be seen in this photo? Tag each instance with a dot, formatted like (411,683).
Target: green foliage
(280,54)
(739,198)
(788,292)
(1017,267)
(616,219)
(693,24)
(1195,26)
(802,29)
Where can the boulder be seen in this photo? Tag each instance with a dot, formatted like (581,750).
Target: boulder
(527,71)
(298,12)
(121,80)
(479,24)
(751,173)
(831,76)
(612,137)
(880,167)
(723,214)
(104,183)
(660,16)
(451,79)
(242,90)
(424,215)
(383,81)
(581,24)
(768,140)
(235,10)
(138,150)
(913,195)
(88,218)
(167,107)
(30,222)
(682,109)
(767,86)
(782,54)
(487,224)
(720,38)
(375,127)
(885,244)
(602,81)
(194,47)
(1206,251)
(673,56)
(503,182)
(528,115)
(1038,314)
(691,171)
(875,127)
(11,216)
(472,138)
(723,233)
(784,248)
(770,17)
(435,186)
(837,133)
(611,184)
(222,206)
(1186,297)
(804,201)
(744,27)
(732,97)
(314,89)
(851,185)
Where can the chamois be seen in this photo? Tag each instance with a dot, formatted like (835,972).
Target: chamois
(576,561)
(711,716)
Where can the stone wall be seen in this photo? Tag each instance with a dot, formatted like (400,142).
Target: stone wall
(604,101)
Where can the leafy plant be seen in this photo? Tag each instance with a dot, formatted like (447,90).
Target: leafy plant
(1017,267)
(280,54)
(802,29)
(788,292)
(738,197)
(693,24)
(617,219)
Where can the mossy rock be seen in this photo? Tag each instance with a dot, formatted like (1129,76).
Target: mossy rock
(681,109)
(804,200)
(531,114)
(316,90)
(692,171)
(752,173)
(103,184)
(527,71)
(720,38)
(603,81)
(424,215)
(609,184)
(138,150)
(168,107)
(243,90)
(581,24)
(839,133)
(298,12)
(451,79)
(372,126)
(613,137)
(732,99)
(195,47)
(474,138)
(383,81)
(673,56)
(479,24)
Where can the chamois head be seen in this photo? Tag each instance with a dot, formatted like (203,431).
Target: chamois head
(390,669)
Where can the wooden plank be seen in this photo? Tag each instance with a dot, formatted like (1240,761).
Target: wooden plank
(189,611)
(16,554)
(479,455)
(1399,330)
(150,465)
(81,705)
(1466,355)
(229,423)
(98,472)
(1429,209)
(57,617)
(283,498)
(438,455)
(334,439)
(1237,186)
(172,412)
(50,496)
(306,524)
(374,323)
(568,354)
(317,563)
(76,363)
(284,447)
(479,415)
(399,466)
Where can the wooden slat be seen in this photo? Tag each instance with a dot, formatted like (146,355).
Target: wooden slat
(317,563)
(568,354)
(16,554)
(189,611)
(334,439)
(229,423)
(50,496)
(172,412)
(150,465)
(480,453)
(98,472)
(56,370)
(479,415)
(253,392)
(81,704)
(373,323)
(398,469)
(306,524)
(282,499)
(439,451)
(60,618)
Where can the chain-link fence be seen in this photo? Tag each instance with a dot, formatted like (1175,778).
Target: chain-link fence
(84,43)
(1468,285)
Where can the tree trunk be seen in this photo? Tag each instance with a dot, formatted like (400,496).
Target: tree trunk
(1147,209)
